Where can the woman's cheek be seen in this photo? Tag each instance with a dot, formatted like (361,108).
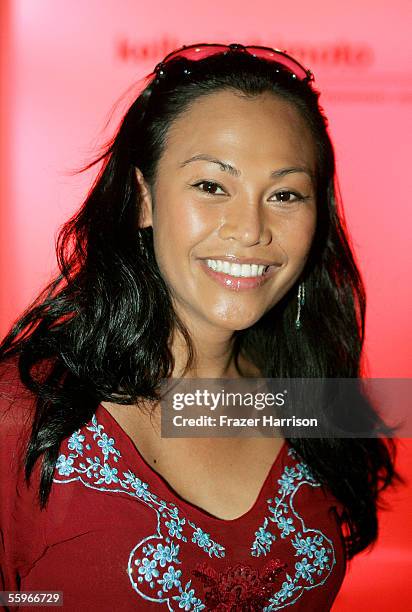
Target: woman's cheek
(297,236)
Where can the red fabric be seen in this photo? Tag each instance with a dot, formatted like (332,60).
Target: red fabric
(103,528)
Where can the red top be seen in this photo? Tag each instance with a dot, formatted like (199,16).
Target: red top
(115,536)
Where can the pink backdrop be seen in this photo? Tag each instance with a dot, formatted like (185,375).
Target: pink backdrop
(65,64)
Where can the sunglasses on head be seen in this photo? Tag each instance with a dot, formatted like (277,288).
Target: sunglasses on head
(203,50)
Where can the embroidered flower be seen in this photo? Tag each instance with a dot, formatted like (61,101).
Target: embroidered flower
(286,525)
(201,538)
(92,468)
(286,591)
(173,512)
(304,569)
(175,528)
(140,487)
(307,546)
(287,479)
(264,537)
(188,601)
(75,442)
(215,550)
(165,554)
(148,569)
(108,474)
(64,465)
(96,428)
(321,560)
(304,471)
(263,540)
(106,444)
(170,578)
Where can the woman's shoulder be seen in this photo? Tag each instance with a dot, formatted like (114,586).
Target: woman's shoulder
(21,522)
(17,405)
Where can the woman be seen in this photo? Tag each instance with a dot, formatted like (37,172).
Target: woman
(210,246)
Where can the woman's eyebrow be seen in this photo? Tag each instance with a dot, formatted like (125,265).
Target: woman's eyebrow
(235,172)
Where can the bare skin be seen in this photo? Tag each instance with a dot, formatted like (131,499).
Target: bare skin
(226,215)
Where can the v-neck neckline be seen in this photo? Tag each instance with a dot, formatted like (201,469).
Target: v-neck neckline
(172,495)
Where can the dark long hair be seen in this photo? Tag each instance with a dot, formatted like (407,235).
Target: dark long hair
(101,330)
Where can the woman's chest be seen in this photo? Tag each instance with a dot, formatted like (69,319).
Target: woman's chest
(222,476)
(114,526)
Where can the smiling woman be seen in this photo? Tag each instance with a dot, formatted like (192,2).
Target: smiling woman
(261,210)
(210,246)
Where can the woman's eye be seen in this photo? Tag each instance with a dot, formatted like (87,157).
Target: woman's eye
(210,187)
(289,196)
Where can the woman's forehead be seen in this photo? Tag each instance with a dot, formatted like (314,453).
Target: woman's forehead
(225,123)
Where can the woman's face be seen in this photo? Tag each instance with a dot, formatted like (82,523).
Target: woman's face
(234,195)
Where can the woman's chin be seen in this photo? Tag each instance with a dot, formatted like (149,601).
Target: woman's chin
(235,323)
(223,315)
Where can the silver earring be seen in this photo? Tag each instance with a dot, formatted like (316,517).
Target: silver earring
(141,242)
(301,301)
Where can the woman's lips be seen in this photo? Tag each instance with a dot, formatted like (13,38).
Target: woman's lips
(239,283)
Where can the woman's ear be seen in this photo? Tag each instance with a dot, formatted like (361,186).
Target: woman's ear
(146,204)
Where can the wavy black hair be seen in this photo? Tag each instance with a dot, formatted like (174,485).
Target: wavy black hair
(101,329)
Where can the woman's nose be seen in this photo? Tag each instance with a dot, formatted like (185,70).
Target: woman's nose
(245,223)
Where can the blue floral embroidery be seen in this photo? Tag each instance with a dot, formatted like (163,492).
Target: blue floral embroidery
(285,592)
(287,480)
(175,527)
(108,475)
(76,442)
(187,599)
(304,569)
(203,540)
(321,560)
(148,569)
(307,546)
(64,465)
(263,540)
(170,578)
(141,488)
(152,565)
(286,525)
(106,444)
(315,549)
(165,554)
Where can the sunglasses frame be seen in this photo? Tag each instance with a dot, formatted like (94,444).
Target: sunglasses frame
(306,74)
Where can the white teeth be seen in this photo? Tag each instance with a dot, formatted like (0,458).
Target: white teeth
(235,269)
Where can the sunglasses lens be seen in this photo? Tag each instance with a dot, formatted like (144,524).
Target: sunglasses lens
(193,53)
(201,51)
(280,58)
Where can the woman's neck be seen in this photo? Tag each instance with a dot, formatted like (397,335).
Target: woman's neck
(214,356)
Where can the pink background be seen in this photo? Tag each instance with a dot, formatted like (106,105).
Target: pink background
(64,65)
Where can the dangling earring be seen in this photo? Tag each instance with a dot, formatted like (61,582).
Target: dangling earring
(301,301)
(141,242)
